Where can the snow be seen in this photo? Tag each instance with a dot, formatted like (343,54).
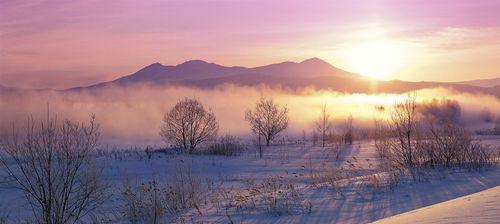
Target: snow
(295,162)
(482,207)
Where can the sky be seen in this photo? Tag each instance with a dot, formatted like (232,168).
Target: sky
(61,44)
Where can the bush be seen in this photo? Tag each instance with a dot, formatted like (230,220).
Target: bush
(412,143)
(279,196)
(276,195)
(151,201)
(143,202)
(450,144)
(227,146)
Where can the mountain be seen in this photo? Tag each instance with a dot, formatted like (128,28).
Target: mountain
(196,70)
(312,72)
(482,82)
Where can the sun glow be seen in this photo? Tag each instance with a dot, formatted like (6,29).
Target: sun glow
(378,59)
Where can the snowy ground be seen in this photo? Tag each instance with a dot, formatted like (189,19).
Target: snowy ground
(294,162)
(482,207)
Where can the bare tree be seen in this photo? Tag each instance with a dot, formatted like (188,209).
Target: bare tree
(404,123)
(323,125)
(188,124)
(52,165)
(349,135)
(267,119)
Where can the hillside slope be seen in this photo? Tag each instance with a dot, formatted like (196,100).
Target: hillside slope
(481,207)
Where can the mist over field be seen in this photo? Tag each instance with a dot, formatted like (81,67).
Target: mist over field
(132,116)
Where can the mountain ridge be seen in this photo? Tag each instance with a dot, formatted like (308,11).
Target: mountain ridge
(312,72)
(493,82)
(192,70)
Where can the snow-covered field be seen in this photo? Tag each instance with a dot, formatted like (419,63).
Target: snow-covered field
(482,207)
(360,196)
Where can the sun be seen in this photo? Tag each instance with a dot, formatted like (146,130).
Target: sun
(376,59)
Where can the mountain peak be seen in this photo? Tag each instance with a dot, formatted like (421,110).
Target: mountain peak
(156,64)
(193,63)
(314,61)
(195,70)
(155,67)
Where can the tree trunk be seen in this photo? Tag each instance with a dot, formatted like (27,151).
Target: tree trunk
(260,147)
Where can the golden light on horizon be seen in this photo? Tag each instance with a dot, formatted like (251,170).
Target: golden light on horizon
(377,59)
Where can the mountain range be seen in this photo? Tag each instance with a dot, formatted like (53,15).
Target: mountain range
(482,82)
(312,72)
(198,71)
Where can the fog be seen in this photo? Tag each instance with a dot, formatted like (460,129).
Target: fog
(132,116)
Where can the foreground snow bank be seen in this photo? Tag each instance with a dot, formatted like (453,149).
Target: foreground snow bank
(481,207)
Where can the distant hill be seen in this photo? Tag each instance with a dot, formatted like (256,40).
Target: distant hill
(312,72)
(482,82)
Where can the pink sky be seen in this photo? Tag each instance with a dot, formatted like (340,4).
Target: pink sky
(59,44)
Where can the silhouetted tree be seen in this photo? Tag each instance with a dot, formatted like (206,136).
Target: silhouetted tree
(323,125)
(267,119)
(404,123)
(349,135)
(188,124)
(52,165)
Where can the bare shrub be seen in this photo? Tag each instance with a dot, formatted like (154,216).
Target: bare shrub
(279,195)
(382,142)
(399,141)
(445,143)
(355,178)
(337,144)
(155,202)
(185,190)
(51,163)
(267,119)
(381,136)
(143,202)
(402,153)
(313,176)
(226,145)
(478,156)
(314,138)
(450,144)
(333,177)
(323,125)
(348,132)
(412,143)
(188,124)
(276,195)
